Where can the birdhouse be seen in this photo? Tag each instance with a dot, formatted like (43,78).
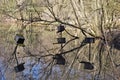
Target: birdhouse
(19,67)
(61,40)
(87,65)
(19,39)
(60,28)
(89,40)
(60,60)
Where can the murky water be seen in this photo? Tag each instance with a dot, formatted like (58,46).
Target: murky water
(39,41)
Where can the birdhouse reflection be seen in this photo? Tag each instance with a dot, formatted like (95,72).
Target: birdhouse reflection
(19,67)
(61,40)
(87,65)
(60,28)
(89,40)
(60,60)
(19,39)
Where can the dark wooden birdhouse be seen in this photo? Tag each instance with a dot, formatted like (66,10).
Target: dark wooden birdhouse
(19,67)
(60,28)
(89,40)
(19,39)
(60,60)
(61,40)
(87,65)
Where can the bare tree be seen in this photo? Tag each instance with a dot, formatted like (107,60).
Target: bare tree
(98,19)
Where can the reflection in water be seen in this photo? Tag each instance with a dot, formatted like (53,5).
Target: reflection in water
(37,42)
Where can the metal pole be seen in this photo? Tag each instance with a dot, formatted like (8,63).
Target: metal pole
(14,53)
(89,51)
(61,50)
